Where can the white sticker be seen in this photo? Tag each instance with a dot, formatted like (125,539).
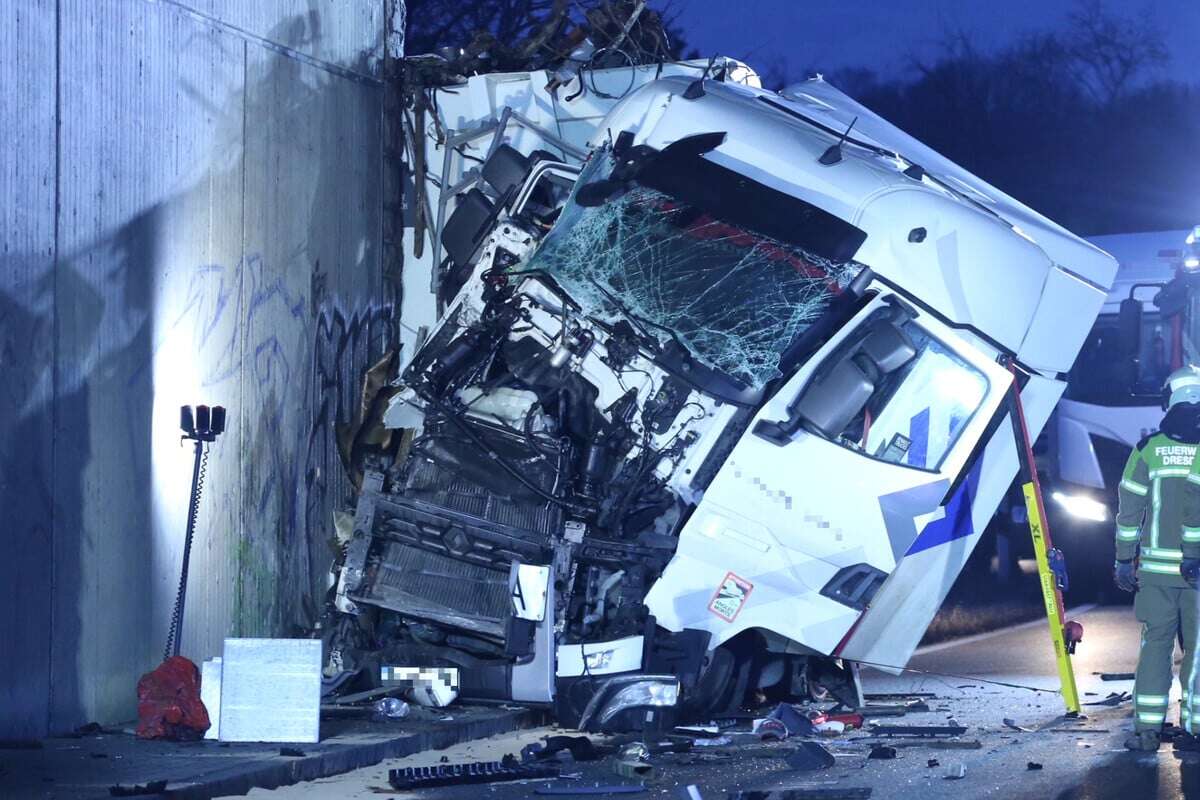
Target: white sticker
(730,597)
(528,583)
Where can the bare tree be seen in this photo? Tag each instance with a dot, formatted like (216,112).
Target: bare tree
(1112,52)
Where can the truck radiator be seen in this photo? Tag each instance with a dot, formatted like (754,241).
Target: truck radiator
(440,588)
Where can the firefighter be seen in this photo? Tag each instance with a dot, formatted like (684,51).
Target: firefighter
(1154,491)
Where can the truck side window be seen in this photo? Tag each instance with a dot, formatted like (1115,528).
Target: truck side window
(911,411)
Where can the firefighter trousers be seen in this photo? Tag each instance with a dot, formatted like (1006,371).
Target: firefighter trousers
(1166,613)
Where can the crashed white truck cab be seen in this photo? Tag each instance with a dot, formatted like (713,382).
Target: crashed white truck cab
(718,411)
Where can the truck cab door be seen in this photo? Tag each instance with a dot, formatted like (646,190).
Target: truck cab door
(799,530)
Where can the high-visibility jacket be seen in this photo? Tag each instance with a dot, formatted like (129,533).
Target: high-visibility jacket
(1155,504)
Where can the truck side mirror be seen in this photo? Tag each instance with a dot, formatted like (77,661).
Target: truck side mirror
(1129,328)
(1129,342)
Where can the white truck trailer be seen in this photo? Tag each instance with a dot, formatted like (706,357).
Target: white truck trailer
(705,392)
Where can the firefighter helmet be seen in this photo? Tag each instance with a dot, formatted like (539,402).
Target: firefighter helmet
(1182,386)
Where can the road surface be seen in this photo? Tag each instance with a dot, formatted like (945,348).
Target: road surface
(1080,760)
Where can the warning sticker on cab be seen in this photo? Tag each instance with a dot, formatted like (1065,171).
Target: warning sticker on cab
(730,597)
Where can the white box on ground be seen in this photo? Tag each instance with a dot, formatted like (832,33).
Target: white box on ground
(271,690)
(210,695)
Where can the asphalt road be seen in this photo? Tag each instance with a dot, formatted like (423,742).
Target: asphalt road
(1081,760)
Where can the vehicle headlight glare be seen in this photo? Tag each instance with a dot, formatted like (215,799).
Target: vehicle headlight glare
(1082,506)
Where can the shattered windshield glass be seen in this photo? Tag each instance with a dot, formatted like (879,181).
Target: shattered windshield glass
(734,297)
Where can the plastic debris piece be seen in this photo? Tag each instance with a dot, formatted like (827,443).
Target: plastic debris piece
(389,709)
(796,723)
(1009,723)
(881,751)
(1116,676)
(719,741)
(770,728)
(411,778)
(690,792)
(169,704)
(831,728)
(712,729)
(851,721)
(1032,765)
(1113,699)
(634,762)
(581,748)
(955,771)
(134,790)
(933,762)
(809,756)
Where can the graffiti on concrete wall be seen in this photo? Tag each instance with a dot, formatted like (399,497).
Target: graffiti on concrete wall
(291,363)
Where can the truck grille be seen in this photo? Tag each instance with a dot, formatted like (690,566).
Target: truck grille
(436,587)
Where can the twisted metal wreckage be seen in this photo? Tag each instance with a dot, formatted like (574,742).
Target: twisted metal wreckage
(702,396)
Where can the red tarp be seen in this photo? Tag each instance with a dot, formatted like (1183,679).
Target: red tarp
(169,704)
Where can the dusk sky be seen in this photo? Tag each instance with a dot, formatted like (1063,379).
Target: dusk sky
(829,35)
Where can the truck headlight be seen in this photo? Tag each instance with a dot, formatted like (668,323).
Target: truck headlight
(644,693)
(1082,506)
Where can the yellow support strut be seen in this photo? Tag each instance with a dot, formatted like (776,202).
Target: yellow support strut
(1051,594)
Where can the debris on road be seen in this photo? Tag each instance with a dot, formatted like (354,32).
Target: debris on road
(769,728)
(634,762)
(850,721)
(796,723)
(881,751)
(719,741)
(955,771)
(509,769)
(581,748)
(292,752)
(1113,699)
(933,762)
(1008,723)
(389,709)
(1115,676)
(1033,765)
(809,756)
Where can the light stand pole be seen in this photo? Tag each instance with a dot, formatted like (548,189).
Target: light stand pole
(203,428)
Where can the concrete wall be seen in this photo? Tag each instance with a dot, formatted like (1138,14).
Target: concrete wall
(191,208)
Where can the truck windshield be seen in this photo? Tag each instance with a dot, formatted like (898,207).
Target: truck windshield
(733,295)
